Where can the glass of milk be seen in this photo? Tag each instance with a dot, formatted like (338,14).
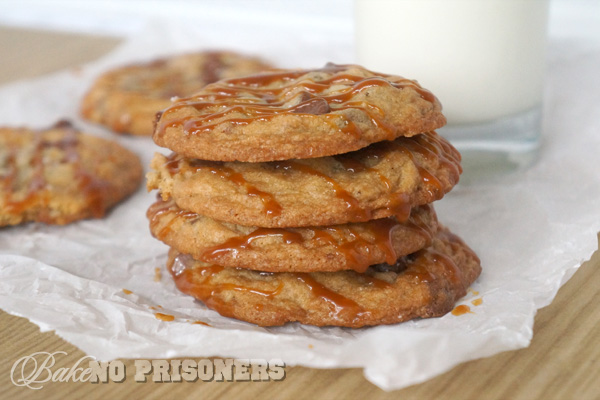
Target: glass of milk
(484,60)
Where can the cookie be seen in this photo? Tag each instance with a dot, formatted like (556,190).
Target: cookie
(127,99)
(422,285)
(296,114)
(329,248)
(60,175)
(382,180)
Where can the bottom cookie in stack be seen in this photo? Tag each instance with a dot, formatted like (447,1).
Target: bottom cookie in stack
(423,284)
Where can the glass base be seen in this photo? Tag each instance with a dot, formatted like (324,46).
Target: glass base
(498,147)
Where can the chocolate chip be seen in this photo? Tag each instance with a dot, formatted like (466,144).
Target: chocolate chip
(211,70)
(303,96)
(398,267)
(315,106)
(156,119)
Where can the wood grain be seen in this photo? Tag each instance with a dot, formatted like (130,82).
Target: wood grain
(561,363)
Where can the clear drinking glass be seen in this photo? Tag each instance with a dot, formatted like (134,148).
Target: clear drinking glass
(484,60)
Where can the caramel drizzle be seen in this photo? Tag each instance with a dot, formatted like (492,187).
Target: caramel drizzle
(271,207)
(205,291)
(210,271)
(35,190)
(237,243)
(398,204)
(355,212)
(37,193)
(355,166)
(431,147)
(164,317)
(419,225)
(356,251)
(162,209)
(419,266)
(341,304)
(461,310)
(255,99)
(95,189)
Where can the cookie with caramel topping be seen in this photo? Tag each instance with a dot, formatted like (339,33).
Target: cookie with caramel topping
(424,284)
(327,248)
(60,175)
(384,179)
(296,114)
(127,99)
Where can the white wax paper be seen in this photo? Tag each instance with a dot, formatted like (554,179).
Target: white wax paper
(532,230)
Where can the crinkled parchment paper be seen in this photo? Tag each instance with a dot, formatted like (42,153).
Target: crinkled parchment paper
(532,229)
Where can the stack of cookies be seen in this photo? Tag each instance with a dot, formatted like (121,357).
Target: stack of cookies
(305,195)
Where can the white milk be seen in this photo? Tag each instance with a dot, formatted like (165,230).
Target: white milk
(484,59)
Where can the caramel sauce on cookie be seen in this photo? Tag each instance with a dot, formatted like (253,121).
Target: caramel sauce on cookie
(356,251)
(353,165)
(161,209)
(420,269)
(421,266)
(352,205)
(94,189)
(205,289)
(241,101)
(341,305)
(237,243)
(271,207)
(398,204)
(37,194)
(429,147)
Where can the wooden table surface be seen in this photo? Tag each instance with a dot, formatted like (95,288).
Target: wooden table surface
(561,363)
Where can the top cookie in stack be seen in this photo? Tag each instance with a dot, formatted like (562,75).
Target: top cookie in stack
(323,178)
(297,114)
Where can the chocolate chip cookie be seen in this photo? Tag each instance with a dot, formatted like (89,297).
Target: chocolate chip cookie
(60,175)
(384,179)
(325,248)
(127,99)
(296,114)
(424,284)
